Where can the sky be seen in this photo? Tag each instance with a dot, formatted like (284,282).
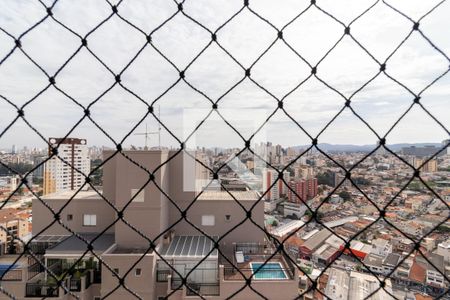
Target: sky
(246,107)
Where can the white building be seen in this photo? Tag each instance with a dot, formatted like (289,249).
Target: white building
(297,209)
(282,187)
(68,169)
(381,247)
(443,249)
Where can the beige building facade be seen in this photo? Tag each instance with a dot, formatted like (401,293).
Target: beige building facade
(153,233)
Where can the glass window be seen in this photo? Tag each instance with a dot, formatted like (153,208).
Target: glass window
(89,220)
(139,197)
(208,220)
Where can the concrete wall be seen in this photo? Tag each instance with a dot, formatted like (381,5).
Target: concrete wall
(149,216)
(15,288)
(42,216)
(246,232)
(143,285)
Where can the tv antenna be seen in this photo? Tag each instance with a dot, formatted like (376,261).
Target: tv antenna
(147,133)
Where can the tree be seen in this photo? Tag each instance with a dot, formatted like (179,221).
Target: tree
(361,181)
(319,190)
(344,195)
(415,186)
(326,178)
(20,168)
(98,173)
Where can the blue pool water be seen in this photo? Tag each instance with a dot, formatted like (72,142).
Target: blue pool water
(268,271)
(3,268)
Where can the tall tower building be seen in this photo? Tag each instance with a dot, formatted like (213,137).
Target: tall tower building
(269,177)
(67,170)
(282,187)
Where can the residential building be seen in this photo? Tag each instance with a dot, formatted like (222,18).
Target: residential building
(270,187)
(428,166)
(381,247)
(443,249)
(16,227)
(304,189)
(294,209)
(66,170)
(167,223)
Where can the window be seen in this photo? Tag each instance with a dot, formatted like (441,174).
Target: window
(137,272)
(208,220)
(227,218)
(139,197)
(69,217)
(89,220)
(97,298)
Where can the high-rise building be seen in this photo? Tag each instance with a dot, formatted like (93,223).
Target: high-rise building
(446,143)
(429,166)
(282,187)
(305,189)
(68,169)
(273,190)
(37,162)
(303,172)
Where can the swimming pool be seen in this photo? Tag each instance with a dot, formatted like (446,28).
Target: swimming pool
(268,271)
(4,267)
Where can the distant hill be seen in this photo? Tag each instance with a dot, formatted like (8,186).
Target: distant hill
(365,148)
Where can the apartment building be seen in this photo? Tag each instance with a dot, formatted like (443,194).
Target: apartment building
(15,226)
(305,189)
(270,184)
(145,245)
(381,247)
(66,171)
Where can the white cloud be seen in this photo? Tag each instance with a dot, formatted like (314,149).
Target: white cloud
(346,68)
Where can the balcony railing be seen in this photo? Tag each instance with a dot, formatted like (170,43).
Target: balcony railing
(75,284)
(203,289)
(253,248)
(34,268)
(162,275)
(41,290)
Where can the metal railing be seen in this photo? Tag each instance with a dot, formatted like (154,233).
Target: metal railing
(203,289)
(162,275)
(41,290)
(75,284)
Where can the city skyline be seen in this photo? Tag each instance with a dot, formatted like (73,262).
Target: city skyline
(226,149)
(380,103)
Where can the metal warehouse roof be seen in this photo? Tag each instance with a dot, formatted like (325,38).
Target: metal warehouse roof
(190,247)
